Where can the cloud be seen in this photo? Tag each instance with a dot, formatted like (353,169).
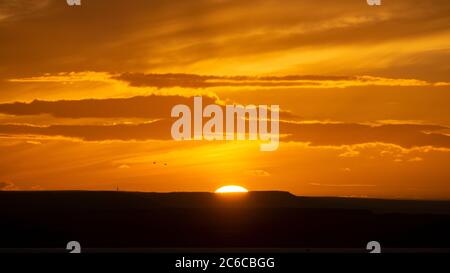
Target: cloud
(7,186)
(14,10)
(342,185)
(33,142)
(223,32)
(67,77)
(196,81)
(151,107)
(403,135)
(258,173)
(307,81)
(157,130)
(350,153)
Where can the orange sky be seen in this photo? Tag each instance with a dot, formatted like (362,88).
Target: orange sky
(86,93)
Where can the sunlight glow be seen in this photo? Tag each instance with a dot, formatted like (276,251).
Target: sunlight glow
(231,189)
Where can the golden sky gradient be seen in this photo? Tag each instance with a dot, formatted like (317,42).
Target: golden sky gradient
(364,92)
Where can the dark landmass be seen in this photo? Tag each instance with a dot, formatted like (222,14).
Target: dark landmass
(206,220)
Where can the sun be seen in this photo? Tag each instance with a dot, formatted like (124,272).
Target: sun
(231,189)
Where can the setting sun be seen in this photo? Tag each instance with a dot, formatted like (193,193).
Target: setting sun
(231,189)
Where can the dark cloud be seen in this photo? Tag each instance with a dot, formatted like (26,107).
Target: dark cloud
(205,81)
(147,131)
(148,35)
(151,107)
(7,186)
(405,135)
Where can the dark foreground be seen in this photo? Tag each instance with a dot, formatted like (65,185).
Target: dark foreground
(207,220)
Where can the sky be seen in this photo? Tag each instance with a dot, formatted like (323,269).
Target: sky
(364,91)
